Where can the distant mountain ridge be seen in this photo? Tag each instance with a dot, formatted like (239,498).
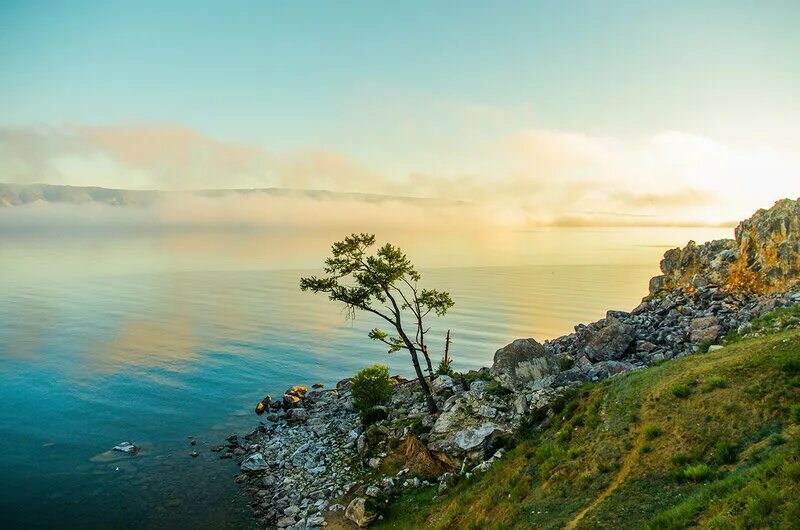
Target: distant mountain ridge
(21,194)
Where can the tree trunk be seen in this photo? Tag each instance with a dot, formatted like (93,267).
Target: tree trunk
(422,382)
(427,360)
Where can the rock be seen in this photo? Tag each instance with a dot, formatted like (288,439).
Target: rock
(373,491)
(264,405)
(254,463)
(315,521)
(763,258)
(317,386)
(471,439)
(715,347)
(523,363)
(361,511)
(297,415)
(374,463)
(217,448)
(127,447)
(290,400)
(194,454)
(284,522)
(610,342)
(704,329)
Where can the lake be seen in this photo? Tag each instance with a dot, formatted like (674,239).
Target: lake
(156,338)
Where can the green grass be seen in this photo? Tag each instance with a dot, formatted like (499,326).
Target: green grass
(652,431)
(731,455)
(680,390)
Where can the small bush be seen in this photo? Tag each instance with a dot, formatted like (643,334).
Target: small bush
(726,453)
(705,345)
(791,367)
(371,387)
(697,472)
(680,390)
(775,440)
(794,413)
(645,448)
(444,369)
(652,431)
(714,383)
(373,415)
(565,363)
(497,389)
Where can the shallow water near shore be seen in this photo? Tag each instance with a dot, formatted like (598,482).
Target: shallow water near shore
(158,339)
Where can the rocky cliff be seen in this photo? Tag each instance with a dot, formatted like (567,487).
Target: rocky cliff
(763,258)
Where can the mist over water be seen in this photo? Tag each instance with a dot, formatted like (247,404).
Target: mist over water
(156,336)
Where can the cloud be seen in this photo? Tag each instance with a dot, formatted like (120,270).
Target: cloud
(525,177)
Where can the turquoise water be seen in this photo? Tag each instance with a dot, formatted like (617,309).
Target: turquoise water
(155,340)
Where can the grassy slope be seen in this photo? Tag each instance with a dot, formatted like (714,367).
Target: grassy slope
(630,452)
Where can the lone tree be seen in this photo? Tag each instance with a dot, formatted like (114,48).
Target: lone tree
(387,285)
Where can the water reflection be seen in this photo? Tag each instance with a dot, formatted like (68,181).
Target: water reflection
(156,338)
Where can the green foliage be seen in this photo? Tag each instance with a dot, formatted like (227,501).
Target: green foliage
(373,415)
(697,472)
(680,390)
(704,346)
(565,363)
(371,387)
(444,369)
(385,284)
(794,413)
(496,388)
(652,431)
(726,452)
(645,448)
(713,383)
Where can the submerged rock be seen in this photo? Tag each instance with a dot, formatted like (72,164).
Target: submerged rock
(127,447)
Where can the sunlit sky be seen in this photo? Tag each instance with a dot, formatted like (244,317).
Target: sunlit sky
(571,113)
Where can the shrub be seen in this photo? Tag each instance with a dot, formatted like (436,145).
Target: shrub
(714,382)
(794,413)
(565,363)
(497,389)
(726,452)
(680,390)
(645,448)
(697,472)
(652,431)
(371,387)
(791,367)
(444,369)
(704,346)
(373,415)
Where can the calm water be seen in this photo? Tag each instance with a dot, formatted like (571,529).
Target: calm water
(155,339)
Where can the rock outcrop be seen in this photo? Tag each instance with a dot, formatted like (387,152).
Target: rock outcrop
(524,363)
(763,258)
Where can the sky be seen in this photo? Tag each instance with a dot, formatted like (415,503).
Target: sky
(564,113)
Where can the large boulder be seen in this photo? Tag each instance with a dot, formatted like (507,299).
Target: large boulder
(254,463)
(610,342)
(361,511)
(524,363)
(705,329)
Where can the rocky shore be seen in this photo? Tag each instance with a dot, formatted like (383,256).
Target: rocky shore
(313,461)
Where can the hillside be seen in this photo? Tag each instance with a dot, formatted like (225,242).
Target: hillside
(710,440)
(22,194)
